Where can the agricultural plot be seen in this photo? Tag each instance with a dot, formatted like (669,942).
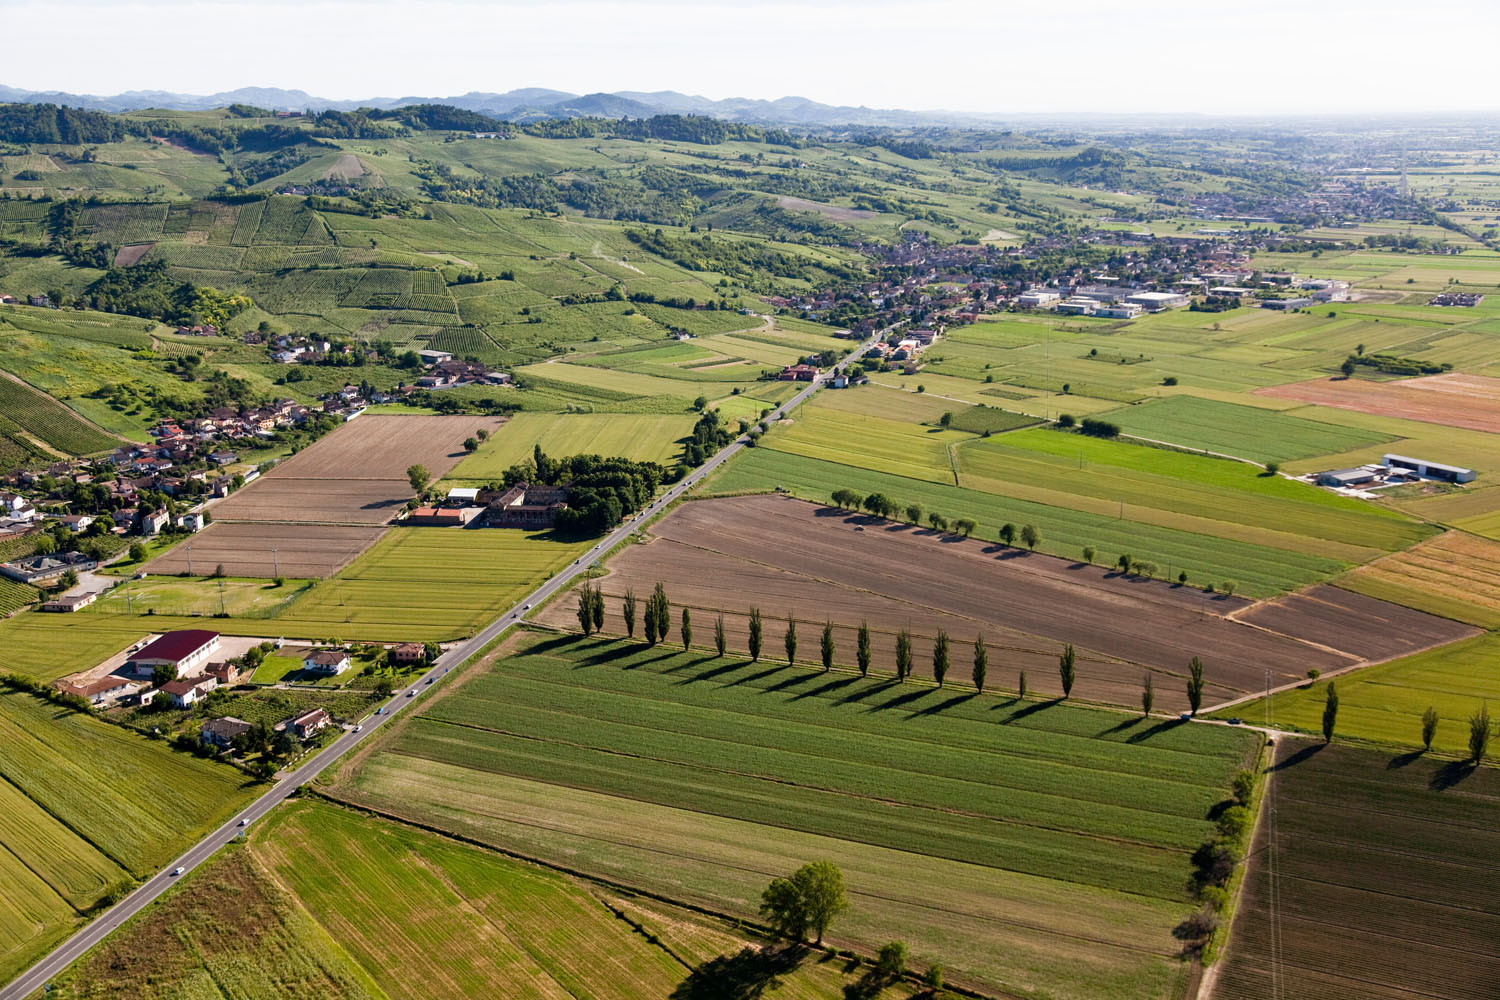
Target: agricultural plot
(1169,488)
(1043,846)
(639,437)
(84,807)
(49,421)
(792,558)
(427,583)
(1257,569)
(1242,431)
(325,504)
(891,446)
(327,902)
(1456,575)
(1383,704)
(1455,400)
(1385,883)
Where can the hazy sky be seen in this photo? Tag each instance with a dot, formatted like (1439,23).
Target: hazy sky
(1255,56)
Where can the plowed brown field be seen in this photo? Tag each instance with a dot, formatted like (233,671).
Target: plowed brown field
(325,505)
(1457,400)
(790,557)
(1386,882)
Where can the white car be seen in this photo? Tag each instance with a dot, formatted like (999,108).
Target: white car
(178,871)
(359,729)
(245,822)
(412,693)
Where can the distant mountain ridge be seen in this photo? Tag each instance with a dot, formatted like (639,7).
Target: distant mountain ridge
(526,104)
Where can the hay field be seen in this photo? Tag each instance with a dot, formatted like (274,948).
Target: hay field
(639,437)
(1456,575)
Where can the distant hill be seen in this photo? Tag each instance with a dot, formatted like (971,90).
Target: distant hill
(526,104)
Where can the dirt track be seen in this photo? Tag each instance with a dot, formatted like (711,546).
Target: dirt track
(787,556)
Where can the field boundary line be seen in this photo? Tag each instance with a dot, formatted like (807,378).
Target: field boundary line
(43,879)
(66,825)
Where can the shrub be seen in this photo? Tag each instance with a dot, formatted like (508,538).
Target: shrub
(1099,428)
(1066,420)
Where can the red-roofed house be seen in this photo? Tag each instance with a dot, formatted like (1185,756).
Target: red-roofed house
(189,690)
(181,651)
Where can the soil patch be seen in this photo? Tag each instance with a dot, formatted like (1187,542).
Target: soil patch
(129,256)
(1455,399)
(835,212)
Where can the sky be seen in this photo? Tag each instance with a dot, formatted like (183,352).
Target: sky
(1258,57)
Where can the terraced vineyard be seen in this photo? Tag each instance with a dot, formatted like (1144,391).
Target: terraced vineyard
(50,421)
(1064,814)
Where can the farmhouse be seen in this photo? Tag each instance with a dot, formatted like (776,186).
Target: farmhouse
(1342,478)
(227,674)
(443,517)
(326,661)
(527,506)
(189,690)
(38,568)
(179,651)
(105,691)
(1429,470)
(799,373)
(1467,299)
(70,603)
(222,732)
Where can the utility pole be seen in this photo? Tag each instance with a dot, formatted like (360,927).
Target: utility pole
(275,564)
(190,558)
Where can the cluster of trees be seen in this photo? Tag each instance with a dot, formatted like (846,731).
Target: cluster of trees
(707,436)
(147,290)
(601,490)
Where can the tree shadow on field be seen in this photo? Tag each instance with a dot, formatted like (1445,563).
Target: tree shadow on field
(665,654)
(1165,726)
(1451,774)
(861,693)
(1026,709)
(952,701)
(1403,759)
(752,678)
(714,672)
(788,682)
(827,687)
(743,976)
(689,664)
(1300,757)
(901,700)
(1119,727)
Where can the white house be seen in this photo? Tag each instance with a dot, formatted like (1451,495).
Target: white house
(326,661)
(189,690)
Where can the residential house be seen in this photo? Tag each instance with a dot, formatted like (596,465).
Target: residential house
(154,522)
(527,506)
(16,507)
(326,661)
(69,604)
(306,725)
(226,673)
(76,522)
(799,373)
(222,732)
(408,653)
(188,691)
(192,521)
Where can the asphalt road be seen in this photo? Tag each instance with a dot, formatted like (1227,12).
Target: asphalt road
(74,947)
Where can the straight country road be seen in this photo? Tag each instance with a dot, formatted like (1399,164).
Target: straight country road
(74,947)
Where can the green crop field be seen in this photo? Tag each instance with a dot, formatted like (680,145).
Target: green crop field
(1041,808)
(876,443)
(327,902)
(51,422)
(169,596)
(85,807)
(1383,704)
(1259,570)
(1243,431)
(989,420)
(426,583)
(643,438)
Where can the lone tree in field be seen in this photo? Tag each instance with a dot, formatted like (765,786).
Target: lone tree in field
(790,640)
(471,444)
(720,643)
(1008,533)
(627,609)
(1088,553)
(585,609)
(755,634)
(981,662)
(964,526)
(862,649)
(687,629)
(1067,670)
(596,604)
(1030,536)
(1330,712)
(1479,734)
(903,655)
(826,647)
(418,476)
(1195,684)
(1429,727)
(806,902)
(940,657)
(1148,694)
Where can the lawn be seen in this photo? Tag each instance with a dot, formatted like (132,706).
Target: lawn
(1259,570)
(1243,431)
(239,597)
(639,437)
(86,806)
(1383,704)
(991,808)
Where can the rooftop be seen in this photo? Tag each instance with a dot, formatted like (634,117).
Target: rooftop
(177,645)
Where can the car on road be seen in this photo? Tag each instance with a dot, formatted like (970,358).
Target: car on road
(412,693)
(429,680)
(178,870)
(1236,722)
(359,729)
(245,821)
(380,710)
(526,607)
